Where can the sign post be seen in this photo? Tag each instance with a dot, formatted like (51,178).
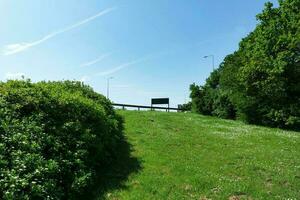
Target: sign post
(160,101)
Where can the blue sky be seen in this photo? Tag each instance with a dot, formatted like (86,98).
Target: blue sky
(152,48)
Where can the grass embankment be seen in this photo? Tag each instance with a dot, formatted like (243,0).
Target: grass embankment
(188,156)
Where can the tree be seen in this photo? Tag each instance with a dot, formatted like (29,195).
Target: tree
(260,81)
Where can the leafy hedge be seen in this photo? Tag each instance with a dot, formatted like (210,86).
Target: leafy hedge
(53,138)
(260,82)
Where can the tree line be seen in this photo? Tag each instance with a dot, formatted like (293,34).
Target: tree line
(260,82)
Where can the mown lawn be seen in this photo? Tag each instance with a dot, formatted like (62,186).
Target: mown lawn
(188,156)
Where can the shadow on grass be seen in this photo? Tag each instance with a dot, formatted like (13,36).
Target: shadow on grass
(112,177)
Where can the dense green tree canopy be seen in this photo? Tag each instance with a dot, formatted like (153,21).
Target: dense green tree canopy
(261,80)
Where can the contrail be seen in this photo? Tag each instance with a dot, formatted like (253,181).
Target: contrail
(19,47)
(122,66)
(102,57)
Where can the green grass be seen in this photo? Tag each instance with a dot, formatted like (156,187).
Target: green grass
(189,156)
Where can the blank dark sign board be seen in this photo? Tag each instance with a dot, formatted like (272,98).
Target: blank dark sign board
(160,101)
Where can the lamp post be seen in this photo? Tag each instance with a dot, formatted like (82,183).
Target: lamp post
(213,60)
(107,94)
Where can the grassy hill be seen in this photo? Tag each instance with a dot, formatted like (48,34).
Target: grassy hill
(188,156)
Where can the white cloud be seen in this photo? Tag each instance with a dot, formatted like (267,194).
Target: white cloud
(122,66)
(100,58)
(14,76)
(19,47)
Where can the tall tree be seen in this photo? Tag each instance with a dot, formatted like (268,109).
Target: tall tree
(262,79)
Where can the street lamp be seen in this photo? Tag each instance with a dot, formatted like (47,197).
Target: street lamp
(107,94)
(213,60)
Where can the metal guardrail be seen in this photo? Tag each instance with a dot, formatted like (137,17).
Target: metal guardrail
(145,107)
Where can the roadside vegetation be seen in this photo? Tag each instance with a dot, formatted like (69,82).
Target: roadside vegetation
(62,140)
(259,83)
(54,138)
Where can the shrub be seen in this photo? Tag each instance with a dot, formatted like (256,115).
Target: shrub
(223,107)
(53,137)
(210,99)
(202,99)
(187,107)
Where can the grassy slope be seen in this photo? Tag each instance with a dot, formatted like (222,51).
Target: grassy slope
(188,156)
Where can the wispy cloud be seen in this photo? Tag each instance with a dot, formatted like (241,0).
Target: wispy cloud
(100,58)
(14,76)
(19,47)
(122,66)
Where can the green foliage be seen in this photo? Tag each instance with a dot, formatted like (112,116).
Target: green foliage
(187,107)
(261,79)
(223,107)
(211,99)
(53,137)
(197,97)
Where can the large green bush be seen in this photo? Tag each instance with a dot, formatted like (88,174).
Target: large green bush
(210,99)
(53,138)
(261,80)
